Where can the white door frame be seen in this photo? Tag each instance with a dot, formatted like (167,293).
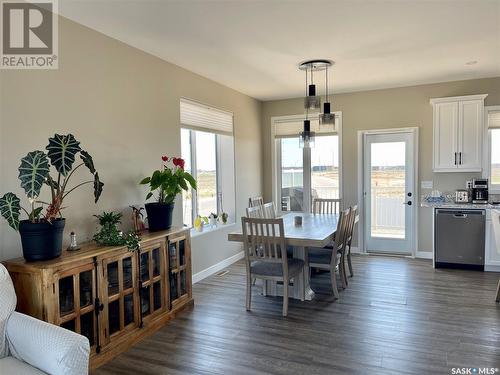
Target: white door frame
(361,226)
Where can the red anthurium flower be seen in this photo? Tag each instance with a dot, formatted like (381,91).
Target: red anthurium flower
(178,162)
(164,158)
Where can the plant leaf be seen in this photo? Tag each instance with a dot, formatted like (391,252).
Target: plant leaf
(150,194)
(10,208)
(51,182)
(182,183)
(145,181)
(190,179)
(33,172)
(98,185)
(35,214)
(87,160)
(61,151)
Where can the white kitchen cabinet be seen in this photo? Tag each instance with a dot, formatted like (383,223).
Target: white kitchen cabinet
(491,251)
(458,133)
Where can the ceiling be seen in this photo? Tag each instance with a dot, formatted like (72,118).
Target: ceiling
(254,46)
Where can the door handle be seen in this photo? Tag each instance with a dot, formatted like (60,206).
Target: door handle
(408,203)
(455,158)
(460,158)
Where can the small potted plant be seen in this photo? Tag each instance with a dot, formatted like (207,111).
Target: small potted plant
(109,234)
(223,217)
(41,233)
(166,183)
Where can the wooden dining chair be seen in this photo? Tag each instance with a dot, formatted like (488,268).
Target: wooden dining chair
(353,220)
(330,259)
(326,206)
(265,255)
(498,292)
(268,210)
(255,212)
(255,201)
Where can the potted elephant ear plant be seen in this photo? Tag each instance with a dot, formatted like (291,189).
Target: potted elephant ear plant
(164,185)
(42,231)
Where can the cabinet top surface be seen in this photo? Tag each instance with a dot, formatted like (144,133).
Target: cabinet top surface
(89,250)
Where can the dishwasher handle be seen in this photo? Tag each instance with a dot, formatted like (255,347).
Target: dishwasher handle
(460,216)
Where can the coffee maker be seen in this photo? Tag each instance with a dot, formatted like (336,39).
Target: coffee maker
(480,190)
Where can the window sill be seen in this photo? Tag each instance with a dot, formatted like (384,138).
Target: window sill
(207,229)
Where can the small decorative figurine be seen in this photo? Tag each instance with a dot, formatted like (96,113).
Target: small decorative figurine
(198,223)
(138,219)
(73,245)
(212,220)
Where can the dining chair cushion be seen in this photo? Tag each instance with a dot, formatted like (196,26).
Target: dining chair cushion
(320,256)
(276,269)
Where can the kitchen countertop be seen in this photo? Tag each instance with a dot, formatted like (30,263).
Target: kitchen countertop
(460,206)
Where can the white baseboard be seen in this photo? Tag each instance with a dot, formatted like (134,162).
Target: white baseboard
(424,254)
(217,267)
(355,250)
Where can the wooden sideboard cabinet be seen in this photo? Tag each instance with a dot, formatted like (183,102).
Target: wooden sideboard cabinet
(111,295)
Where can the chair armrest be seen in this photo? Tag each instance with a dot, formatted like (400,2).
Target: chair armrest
(50,348)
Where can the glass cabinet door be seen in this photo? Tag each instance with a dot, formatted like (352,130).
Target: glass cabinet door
(179,277)
(120,297)
(75,291)
(153,265)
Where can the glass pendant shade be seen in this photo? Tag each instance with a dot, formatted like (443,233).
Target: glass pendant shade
(306,139)
(327,119)
(311,101)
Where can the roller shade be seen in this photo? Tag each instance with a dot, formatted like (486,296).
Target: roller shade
(292,128)
(494,120)
(198,116)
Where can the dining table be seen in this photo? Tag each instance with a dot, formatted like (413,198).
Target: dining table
(316,231)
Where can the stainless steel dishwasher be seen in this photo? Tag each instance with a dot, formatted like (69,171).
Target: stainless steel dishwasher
(459,238)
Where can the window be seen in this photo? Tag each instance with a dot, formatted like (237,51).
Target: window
(314,171)
(325,167)
(494,149)
(208,150)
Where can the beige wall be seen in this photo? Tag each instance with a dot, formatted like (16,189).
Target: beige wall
(382,109)
(123,105)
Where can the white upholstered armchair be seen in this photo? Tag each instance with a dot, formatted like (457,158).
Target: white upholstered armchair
(31,346)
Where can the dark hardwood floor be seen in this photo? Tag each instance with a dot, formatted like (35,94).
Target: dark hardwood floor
(397,316)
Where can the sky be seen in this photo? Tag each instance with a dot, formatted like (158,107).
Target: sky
(325,152)
(388,154)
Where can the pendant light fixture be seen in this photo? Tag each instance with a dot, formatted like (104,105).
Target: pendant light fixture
(327,118)
(311,101)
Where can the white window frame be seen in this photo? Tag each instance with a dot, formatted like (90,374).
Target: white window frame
(276,161)
(194,172)
(493,189)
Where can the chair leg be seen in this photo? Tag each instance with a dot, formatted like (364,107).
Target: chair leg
(349,263)
(254,281)
(498,291)
(249,292)
(285,297)
(343,273)
(333,279)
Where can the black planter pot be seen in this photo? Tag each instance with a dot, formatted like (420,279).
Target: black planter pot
(41,241)
(159,216)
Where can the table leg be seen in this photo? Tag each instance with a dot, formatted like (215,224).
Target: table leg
(301,287)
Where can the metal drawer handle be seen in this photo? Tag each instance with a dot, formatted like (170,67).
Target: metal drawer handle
(460,216)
